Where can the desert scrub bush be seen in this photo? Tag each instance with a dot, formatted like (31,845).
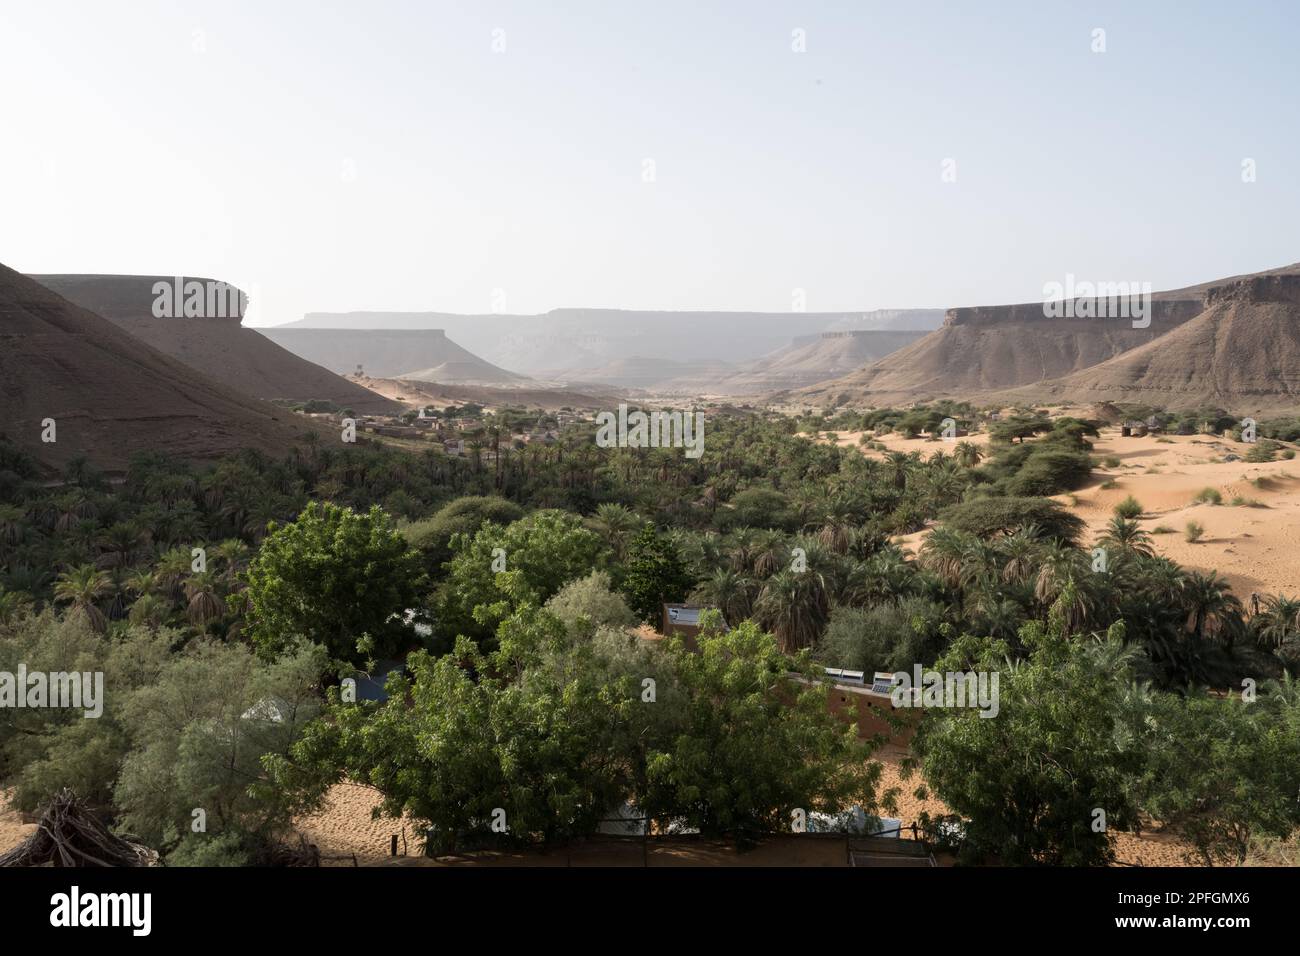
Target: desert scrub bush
(1210,496)
(1264,450)
(1162,529)
(1130,508)
(1164,441)
(1193,531)
(1240,502)
(1288,453)
(1109,484)
(1111,461)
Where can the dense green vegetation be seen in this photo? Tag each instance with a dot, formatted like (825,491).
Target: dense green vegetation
(514,583)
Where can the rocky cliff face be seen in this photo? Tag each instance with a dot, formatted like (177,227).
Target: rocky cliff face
(1241,353)
(1283,289)
(110,395)
(214,344)
(986,350)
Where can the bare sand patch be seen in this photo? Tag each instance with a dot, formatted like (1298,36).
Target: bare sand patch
(13,830)
(1254,545)
(1257,549)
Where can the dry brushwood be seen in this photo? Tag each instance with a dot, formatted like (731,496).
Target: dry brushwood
(70,834)
(304,854)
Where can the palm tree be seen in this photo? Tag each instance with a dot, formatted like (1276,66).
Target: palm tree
(898,464)
(13,523)
(769,552)
(81,587)
(1058,566)
(1020,553)
(1278,623)
(139,581)
(617,524)
(884,577)
(741,549)
(1127,537)
(14,605)
(234,554)
(1212,609)
(1075,604)
(943,554)
(998,616)
(120,541)
(967,454)
(170,572)
(979,564)
(730,592)
(944,483)
(794,606)
(72,508)
(262,513)
(203,603)
(836,525)
(149,610)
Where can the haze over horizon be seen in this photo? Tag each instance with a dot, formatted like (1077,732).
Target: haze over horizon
(493,157)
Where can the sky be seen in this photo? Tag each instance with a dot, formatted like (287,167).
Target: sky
(524,156)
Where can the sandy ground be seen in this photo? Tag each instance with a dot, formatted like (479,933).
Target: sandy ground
(1149,849)
(893,441)
(344,829)
(1256,548)
(13,830)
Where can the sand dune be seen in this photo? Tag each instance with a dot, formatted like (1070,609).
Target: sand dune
(1256,548)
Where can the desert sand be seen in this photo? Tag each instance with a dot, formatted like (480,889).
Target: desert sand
(13,830)
(344,827)
(1254,545)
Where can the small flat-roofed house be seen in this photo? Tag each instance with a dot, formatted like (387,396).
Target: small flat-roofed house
(871,707)
(843,676)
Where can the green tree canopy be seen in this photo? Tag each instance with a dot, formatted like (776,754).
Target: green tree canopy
(498,569)
(654,574)
(989,516)
(333,576)
(1062,746)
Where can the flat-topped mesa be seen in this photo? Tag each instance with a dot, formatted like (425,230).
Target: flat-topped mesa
(1262,288)
(1166,313)
(426,354)
(77,384)
(115,297)
(209,336)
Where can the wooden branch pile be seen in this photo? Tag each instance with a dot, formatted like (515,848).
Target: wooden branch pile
(304,854)
(70,834)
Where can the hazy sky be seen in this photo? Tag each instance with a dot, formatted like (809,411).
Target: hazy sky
(331,156)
